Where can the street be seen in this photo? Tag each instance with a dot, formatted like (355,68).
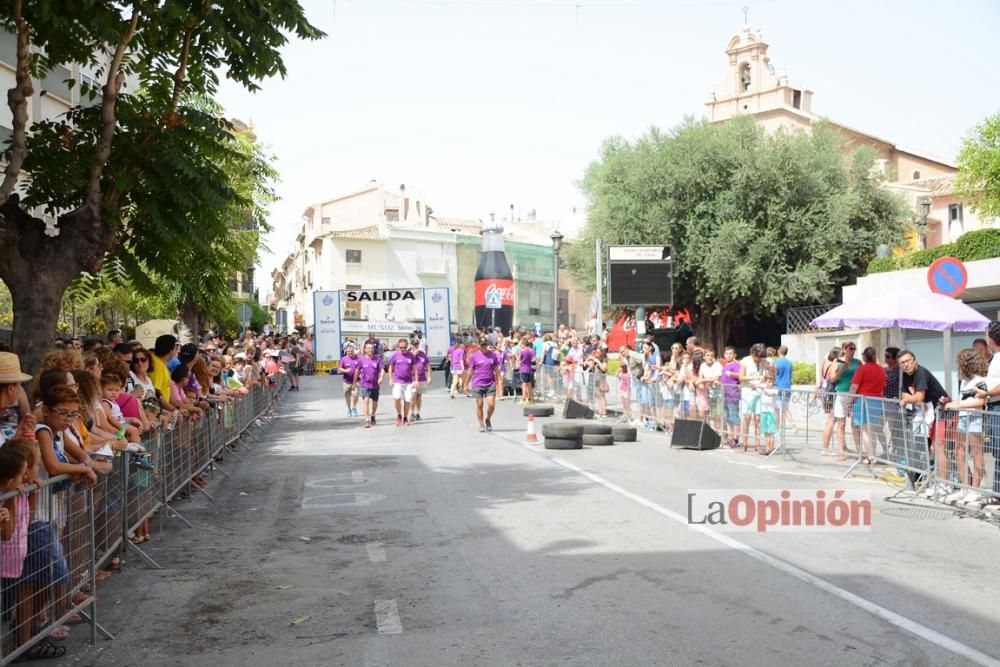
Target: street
(331,544)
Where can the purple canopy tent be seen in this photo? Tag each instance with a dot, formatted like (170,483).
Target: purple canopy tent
(908,310)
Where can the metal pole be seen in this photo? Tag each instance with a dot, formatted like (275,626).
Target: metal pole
(640,327)
(599,289)
(555,290)
(947,362)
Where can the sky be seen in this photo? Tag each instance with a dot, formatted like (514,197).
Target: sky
(481,104)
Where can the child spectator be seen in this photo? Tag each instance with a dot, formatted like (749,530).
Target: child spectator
(768,413)
(111,389)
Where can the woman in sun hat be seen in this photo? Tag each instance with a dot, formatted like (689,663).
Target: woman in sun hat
(15,410)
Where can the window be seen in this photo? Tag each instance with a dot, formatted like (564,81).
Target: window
(324,221)
(352,256)
(955,213)
(745,77)
(392,215)
(352,309)
(916,176)
(563,306)
(955,226)
(797,99)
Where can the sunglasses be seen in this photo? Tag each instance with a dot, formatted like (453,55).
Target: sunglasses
(140,360)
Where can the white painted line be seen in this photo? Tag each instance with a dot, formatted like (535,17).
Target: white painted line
(376,552)
(358,477)
(387,617)
(900,621)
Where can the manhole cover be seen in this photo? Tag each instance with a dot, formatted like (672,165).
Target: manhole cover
(918,513)
(342,500)
(339,479)
(384,536)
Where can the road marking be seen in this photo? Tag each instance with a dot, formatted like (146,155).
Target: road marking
(900,621)
(387,617)
(376,552)
(358,477)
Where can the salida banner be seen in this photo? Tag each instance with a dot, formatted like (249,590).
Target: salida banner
(389,313)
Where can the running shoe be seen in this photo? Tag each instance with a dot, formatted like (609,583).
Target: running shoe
(399,420)
(373,420)
(489,425)
(406,422)
(482,429)
(350,413)
(368,424)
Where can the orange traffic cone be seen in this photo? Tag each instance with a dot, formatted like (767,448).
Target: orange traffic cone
(531,437)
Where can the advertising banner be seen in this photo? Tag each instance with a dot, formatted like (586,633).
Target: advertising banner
(326,307)
(437,320)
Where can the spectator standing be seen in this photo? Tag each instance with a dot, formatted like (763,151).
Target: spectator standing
(868,383)
(730,381)
(841,378)
(920,394)
(972,371)
(992,399)
(783,383)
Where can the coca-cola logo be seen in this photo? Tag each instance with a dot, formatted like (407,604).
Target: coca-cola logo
(506,293)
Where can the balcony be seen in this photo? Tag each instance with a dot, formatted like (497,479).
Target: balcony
(432,267)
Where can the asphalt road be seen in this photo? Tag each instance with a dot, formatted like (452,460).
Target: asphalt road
(437,545)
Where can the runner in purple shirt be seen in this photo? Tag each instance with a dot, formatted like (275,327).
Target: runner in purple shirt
(348,368)
(369,375)
(526,368)
(401,380)
(457,356)
(483,375)
(421,378)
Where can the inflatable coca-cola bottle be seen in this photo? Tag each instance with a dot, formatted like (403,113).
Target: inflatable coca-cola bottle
(494,282)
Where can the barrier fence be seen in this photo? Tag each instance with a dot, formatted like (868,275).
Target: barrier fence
(942,454)
(71,530)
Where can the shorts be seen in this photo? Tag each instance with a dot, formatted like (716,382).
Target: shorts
(871,414)
(484,392)
(970,423)
(750,402)
(44,550)
(402,391)
(370,392)
(840,407)
(644,394)
(768,423)
(784,397)
(418,388)
(527,378)
(732,411)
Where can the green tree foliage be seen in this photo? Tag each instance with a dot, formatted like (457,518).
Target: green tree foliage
(149,174)
(980,244)
(979,168)
(758,222)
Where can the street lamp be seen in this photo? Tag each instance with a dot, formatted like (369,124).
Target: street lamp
(925,210)
(556,245)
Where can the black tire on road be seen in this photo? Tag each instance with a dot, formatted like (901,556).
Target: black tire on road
(624,433)
(595,428)
(539,411)
(562,430)
(598,439)
(563,443)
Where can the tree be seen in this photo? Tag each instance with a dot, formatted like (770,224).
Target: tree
(142,174)
(979,168)
(757,222)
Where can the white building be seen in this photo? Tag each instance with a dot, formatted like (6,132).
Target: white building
(374,238)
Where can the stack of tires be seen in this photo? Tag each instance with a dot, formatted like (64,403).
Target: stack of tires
(562,435)
(539,411)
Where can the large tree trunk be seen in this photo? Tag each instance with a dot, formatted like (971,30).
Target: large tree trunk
(191,316)
(38,268)
(712,328)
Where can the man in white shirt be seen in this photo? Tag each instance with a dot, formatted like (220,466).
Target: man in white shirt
(992,396)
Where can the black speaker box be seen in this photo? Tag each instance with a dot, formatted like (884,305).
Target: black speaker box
(694,434)
(576,410)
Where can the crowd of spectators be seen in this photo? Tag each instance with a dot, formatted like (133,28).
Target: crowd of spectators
(90,401)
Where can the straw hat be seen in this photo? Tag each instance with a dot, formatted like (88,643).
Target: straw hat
(10,369)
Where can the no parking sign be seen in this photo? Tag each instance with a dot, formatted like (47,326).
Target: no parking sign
(947,276)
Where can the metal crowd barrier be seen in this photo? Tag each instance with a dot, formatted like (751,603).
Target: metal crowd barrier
(73,530)
(967,458)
